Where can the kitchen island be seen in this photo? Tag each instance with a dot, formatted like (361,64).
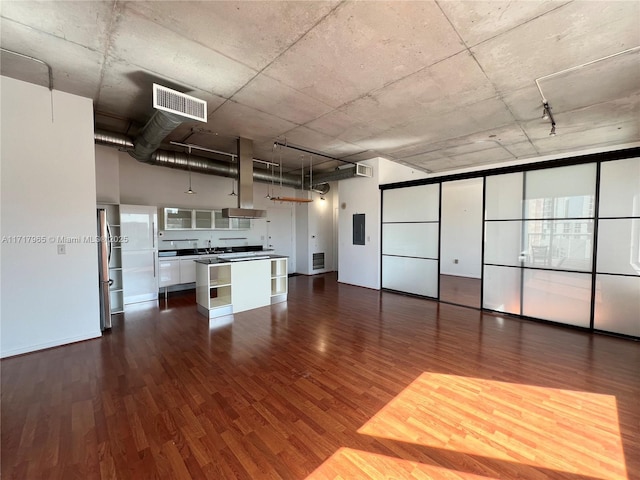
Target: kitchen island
(225,286)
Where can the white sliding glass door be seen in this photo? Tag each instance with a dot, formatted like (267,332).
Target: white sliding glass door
(410,231)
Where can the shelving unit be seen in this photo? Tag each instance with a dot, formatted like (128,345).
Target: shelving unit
(213,292)
(116,292)
(279,280)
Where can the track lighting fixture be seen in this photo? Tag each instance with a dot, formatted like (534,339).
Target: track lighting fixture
(547,115)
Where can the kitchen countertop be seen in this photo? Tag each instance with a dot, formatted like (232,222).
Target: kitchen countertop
(195,252)
(191,253)
(247,258)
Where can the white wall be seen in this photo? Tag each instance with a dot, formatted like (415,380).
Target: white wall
(391,172)
(360,264)
(48,190)
(107,175)
(461,228)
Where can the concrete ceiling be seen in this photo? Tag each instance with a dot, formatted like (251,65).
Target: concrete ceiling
(436,85)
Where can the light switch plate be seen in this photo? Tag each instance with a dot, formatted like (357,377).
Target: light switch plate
(62,249)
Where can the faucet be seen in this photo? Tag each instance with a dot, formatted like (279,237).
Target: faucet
(208,246)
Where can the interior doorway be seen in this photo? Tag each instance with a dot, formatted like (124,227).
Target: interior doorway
(280,234)
(461,242)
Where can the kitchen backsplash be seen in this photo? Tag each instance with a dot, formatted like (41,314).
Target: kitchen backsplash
(179,239)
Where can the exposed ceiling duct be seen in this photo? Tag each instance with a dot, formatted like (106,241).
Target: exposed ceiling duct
(209,166)
(154,132)
(172,109)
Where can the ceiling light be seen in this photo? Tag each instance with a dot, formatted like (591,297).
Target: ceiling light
(545,111)
(190,191)
(233,189)
(547,115)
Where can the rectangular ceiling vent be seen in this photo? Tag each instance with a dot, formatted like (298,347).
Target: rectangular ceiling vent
(364,170)
(179,103)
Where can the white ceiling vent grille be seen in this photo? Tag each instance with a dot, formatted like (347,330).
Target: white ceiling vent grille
(179,103)
(364,170)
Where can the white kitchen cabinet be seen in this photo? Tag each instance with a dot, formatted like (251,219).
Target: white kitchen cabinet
(139,277)
(236,286)
(138,225)
(251,285)
(202,220)
(176,218)
(187,271)
(188,219)
(169,272)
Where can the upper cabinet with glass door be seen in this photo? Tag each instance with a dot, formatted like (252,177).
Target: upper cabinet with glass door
(203,219)
(188,219)
(177,218)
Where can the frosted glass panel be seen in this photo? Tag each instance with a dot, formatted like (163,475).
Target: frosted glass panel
(411,204)
(618,304)
(502,289)
(410,239)
(619,246)
(559,244)
(557,296)
(563,192)
(410,275)
(504,197)
(620,188)
(502,243)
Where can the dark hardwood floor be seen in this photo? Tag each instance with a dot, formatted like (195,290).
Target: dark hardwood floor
(339,382)
(460,290)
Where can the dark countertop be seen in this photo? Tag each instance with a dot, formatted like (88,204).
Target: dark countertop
(210,251)
(249,258)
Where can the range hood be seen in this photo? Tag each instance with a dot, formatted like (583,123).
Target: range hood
(245,184)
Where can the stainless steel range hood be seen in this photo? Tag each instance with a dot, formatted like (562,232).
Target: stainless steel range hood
(245,184)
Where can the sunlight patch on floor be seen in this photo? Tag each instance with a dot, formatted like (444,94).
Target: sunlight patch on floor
(349,464)
(561,430)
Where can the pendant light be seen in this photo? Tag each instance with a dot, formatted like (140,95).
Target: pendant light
(190,191)
(269,194)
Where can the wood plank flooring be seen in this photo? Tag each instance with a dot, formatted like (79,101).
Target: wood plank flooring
(460,290)
(340,382)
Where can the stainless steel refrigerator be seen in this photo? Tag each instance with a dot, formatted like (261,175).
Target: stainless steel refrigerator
(104,256)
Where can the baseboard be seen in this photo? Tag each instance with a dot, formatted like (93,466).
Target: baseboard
(42,346)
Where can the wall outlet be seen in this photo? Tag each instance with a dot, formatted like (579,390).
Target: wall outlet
(455,260)
(62,249)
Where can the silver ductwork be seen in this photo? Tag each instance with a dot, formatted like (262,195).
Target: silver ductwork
(154,132)
(209,166)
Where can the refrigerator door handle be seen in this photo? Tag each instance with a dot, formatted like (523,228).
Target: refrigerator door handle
(108,240)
